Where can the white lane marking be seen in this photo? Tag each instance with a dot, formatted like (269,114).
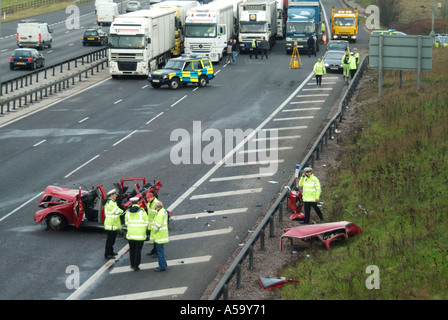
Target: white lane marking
(226,193)
(208,214)
(178,101)
(170,263)
(119,141)
(301,109)
(254,163)
(35,145)
(265,149)
(294,118)
(20,207)
(154,118)
(287,128)
(241,177)
(305,102)
(86,163)
(81,121)
(148,294)
(276,138)
(118,101)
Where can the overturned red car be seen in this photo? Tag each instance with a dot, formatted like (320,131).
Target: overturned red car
(62,206)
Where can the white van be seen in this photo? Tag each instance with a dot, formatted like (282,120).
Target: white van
(106,13)
(34,34)
(97,2)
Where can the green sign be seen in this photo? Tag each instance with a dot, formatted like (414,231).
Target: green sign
(400,52)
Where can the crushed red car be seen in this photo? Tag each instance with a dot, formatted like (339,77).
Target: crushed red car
(325,232)
(62,206)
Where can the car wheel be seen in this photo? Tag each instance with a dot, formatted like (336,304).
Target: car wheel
(155,85)
(174,83)
(202,81)
(56,222)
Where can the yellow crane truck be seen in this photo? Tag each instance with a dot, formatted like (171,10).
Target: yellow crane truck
(344,24)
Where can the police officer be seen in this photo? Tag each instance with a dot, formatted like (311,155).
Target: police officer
(151,209)
(356,56)
(254,48)
(311,42)
(319,69)
(159,234)
(346,60)
(112,222)
(310,185)
(137,222)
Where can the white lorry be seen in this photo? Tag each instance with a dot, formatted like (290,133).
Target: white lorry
(180,9)
(209,27)
(140,41)
(34,34)
(106,13)
(258,20)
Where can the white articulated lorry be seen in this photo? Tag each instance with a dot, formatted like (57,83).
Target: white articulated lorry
(258,20)
(180,8)
(140,41)
(209,27)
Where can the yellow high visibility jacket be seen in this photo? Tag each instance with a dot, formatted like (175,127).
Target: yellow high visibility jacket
(112,214)
(159,228)
(151,208)
(319,68)
(137,222)
(310,188)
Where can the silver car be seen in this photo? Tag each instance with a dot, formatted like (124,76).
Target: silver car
(133,6)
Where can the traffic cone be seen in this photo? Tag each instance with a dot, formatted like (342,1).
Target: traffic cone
(324,38)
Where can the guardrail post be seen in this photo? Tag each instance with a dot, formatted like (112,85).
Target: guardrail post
(251,257)
(271,226)
(280,211)
(262,239)
(238,276)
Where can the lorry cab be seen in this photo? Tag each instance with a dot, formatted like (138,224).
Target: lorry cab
(34,34)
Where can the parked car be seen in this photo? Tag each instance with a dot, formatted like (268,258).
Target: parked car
(133,6)
(340,45)
(94,36)
(26,58)
(183,70)
(333,60)
(387,32)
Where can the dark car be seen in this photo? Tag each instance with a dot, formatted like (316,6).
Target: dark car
(183,70)
(340,45)
(133,6)
(333,60)
(94,36)
(26,58)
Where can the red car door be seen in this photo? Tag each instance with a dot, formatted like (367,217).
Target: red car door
(78,210)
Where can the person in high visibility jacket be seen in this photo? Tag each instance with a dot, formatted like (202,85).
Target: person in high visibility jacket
(137,222)
(347,63)
(311,190)
(159,234)
(254,48)
(356,56)
(151,209)
(112,222)
(319,69)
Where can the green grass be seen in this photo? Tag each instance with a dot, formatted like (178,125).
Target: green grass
(60,5)
(395,188)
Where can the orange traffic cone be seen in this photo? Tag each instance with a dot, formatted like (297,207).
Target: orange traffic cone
(324,38)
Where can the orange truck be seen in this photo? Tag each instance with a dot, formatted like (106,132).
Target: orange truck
(344,24)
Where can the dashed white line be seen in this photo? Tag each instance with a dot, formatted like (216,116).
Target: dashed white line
(124,138)
(294,118)
(68,175)
(35,145)
(118,101)
(154,118)
(178,101)
(81,121)
(149,294)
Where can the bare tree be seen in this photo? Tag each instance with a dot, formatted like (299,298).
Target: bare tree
(389,11)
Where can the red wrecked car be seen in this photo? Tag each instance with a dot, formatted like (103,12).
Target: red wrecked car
(325,232)
(63,206)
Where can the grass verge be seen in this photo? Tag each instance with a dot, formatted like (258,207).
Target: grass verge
(394,186)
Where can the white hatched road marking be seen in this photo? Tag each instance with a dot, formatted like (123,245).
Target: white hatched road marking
(170,263)
(209,214)
(226,193)
(148,294)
